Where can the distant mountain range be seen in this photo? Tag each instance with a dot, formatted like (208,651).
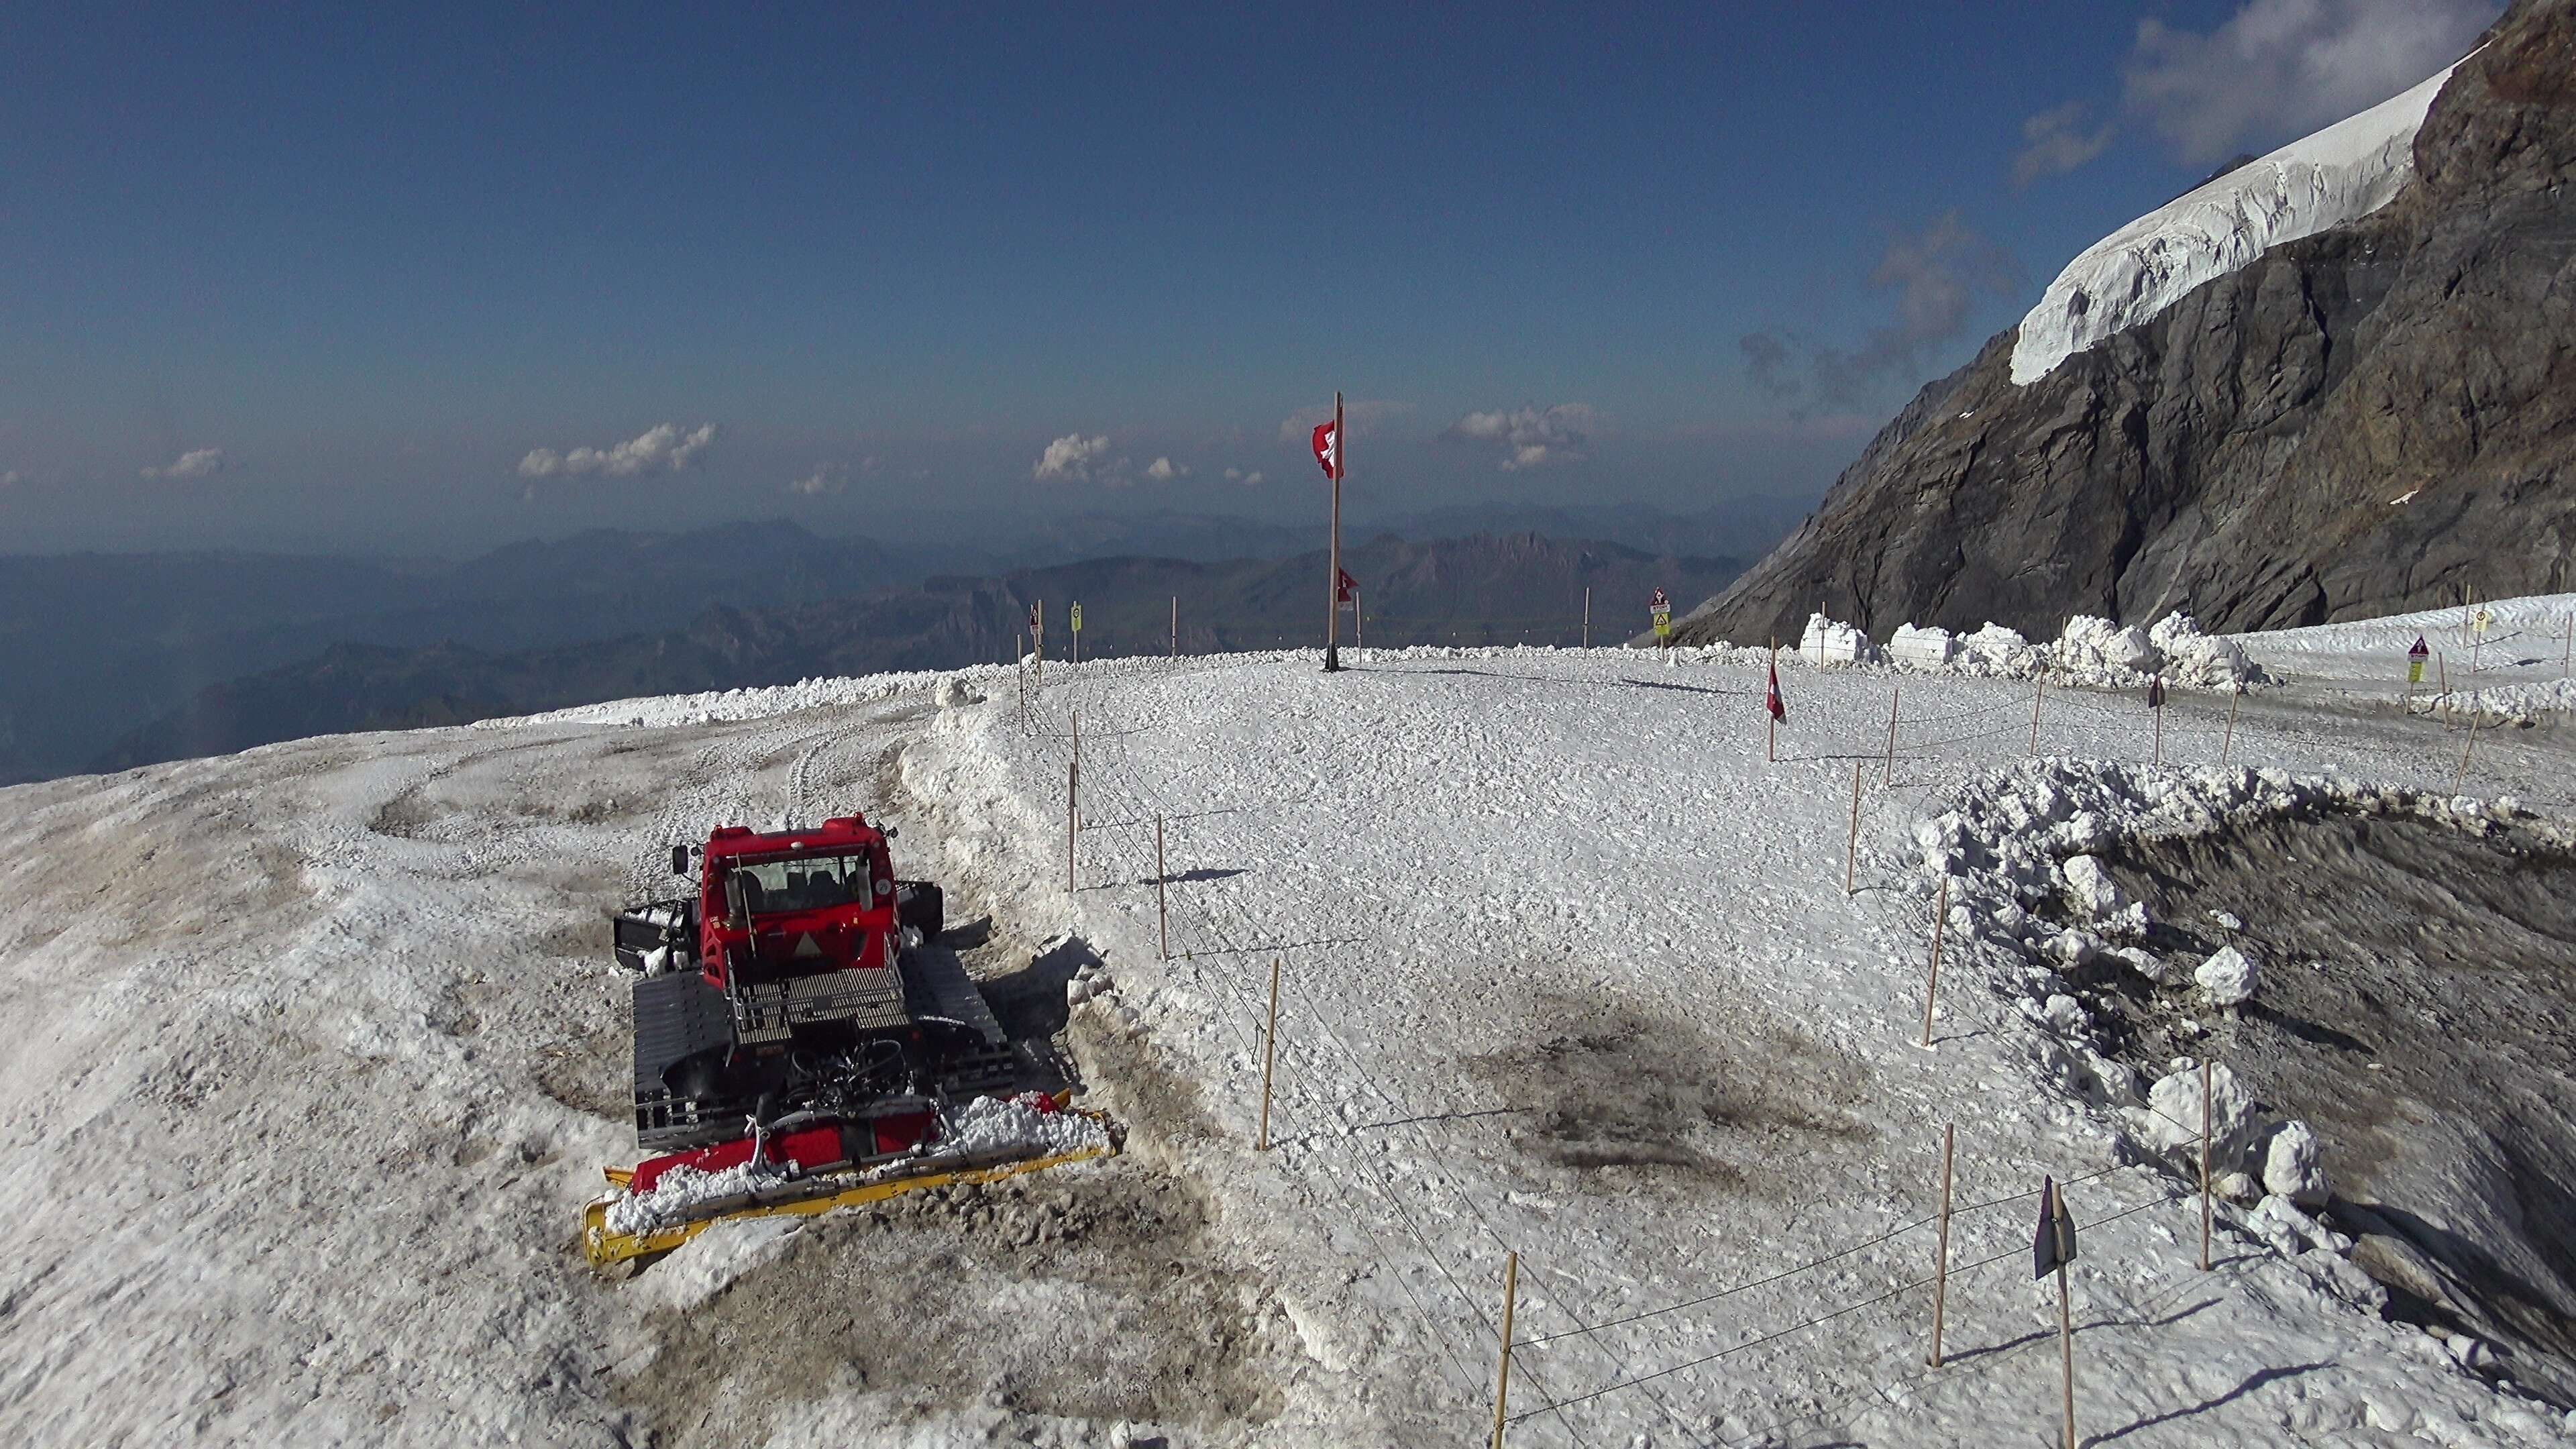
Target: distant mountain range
(170,656)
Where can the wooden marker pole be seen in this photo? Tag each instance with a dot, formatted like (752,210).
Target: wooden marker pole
(1587,618)
(1941,1255)
(1851,846)
(1077,759)
(2160,734)
(2038,690)
(2567,651)
(1162,908)
(1072,785)
(1503,1376)
(1932,991)
(2442,668)
(2471,743)
(2227,741)
(2205,1113)
(2066,1344)
(1176,628)
(1889,778)
(1333,578)
(1269,1058)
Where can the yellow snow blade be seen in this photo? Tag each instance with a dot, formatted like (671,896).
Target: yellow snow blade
(604,1247)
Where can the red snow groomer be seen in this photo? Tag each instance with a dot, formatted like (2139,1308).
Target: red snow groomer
(799,1044)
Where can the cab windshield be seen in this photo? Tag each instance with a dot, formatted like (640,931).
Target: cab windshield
(813,883)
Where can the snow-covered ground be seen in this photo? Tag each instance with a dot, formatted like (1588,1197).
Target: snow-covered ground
(317,1053)
(2340,174)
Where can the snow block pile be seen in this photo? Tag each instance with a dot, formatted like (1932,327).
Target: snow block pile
(1922,648)
(2091,651)
(1830,641)
(2020,842)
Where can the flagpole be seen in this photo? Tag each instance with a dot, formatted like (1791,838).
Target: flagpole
(1333,572)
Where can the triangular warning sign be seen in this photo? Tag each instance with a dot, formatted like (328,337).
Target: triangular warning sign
(807,948)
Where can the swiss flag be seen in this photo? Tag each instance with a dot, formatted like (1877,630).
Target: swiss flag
(1347,590)
(1328,449)
(1772,702)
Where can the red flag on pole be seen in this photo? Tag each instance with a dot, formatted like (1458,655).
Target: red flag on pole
(1348,591)
(1328,449)
(1772,703)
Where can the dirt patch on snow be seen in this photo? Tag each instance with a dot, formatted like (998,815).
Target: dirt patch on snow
(958,1298)
(1608,1088)
(2417,1008)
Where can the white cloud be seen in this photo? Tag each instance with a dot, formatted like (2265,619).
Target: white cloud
(1936,277)
(1070,457)
(1164,470)
(2279,69)
(1532,437)
(1361,415)
(830,478)
(661,446)
(1248,480)
(2054,143)
(194,463)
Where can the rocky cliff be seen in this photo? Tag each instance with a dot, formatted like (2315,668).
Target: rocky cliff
(2360,421)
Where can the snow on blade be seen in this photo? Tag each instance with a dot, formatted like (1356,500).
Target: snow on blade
(2340,174)
(994,1124)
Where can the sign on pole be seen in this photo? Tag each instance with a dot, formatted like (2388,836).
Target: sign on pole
(2053,1249)
(1660,609)
(2415,658)
(1074,647)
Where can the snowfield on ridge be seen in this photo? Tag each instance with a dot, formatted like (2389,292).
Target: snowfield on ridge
(1567,969)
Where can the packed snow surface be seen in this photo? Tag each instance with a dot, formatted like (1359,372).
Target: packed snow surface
(1568,969)
(2340,174)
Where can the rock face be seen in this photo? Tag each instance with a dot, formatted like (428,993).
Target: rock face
(2241,455)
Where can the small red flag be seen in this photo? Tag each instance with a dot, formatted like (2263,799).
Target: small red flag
(1328,449)
(1773,702)
(1348,590)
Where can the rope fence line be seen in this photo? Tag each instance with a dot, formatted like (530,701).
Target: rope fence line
(1434,1156)
(1122,780)
(1844,1311)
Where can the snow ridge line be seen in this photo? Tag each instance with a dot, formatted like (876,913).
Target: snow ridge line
(1369,1170)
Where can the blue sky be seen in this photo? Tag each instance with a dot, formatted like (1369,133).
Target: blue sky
(332,278)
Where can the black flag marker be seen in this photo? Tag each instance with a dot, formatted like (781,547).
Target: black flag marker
(2156,692)
(2053,1247)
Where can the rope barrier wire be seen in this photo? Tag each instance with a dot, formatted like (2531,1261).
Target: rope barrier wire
(1821,1318)
(1375,1180)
